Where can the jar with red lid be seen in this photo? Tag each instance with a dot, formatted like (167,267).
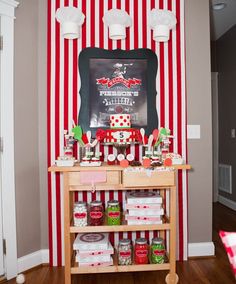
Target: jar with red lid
(141,251)
(96,213)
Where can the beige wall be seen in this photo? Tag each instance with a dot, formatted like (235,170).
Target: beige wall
(199,112)
(30,117)
(26,128)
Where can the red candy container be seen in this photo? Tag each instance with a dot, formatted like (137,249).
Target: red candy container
(96,213)
(141,251)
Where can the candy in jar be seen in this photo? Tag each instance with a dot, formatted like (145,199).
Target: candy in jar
(157,251)
(141,251)
(113,212)
(124,252)
(80,214)
(96,213)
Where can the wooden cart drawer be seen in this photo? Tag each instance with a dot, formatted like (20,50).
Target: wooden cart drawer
(112,178)
(146,179)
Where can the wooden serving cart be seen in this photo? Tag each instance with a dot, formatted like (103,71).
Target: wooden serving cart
(117,178)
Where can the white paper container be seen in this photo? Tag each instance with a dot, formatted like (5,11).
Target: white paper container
(140,222)
(93,259)
(141,197)
(65,163)
(143,206)
(87,253)
(109,263)
(177,161)
(146,212)
(91,241)
(142,218)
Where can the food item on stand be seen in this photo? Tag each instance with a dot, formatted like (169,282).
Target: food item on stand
(120,131)
(124,252)
(141,251)
(113,212)
(130,158)
(111,159)
(157,251)
(135,164)
(80,214)
(96,213)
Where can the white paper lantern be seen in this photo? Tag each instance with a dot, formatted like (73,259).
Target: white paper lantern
(71,19)
(117,20)
(161,21)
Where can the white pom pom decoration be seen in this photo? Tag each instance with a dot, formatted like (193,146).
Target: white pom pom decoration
(117,20)
(161,21)
(71,19)
(20,279)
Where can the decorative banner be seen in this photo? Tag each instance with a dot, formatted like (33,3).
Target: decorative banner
(64,101)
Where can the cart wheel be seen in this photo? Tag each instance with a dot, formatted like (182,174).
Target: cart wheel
(174,281)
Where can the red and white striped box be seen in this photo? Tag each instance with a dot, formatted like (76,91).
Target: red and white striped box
(120,121)
(120,135)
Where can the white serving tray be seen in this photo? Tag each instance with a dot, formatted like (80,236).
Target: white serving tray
(65,163)
(90,164)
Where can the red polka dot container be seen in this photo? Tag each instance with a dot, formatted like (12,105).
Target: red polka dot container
(120,121)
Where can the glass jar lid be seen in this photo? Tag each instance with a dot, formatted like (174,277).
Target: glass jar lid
(124,242)
(141,241)
(80,204)
(113,202)
(96,203)
(157,241)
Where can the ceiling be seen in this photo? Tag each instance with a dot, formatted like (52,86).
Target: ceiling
(222,20)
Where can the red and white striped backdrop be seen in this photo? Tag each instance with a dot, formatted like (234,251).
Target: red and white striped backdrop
(64,100)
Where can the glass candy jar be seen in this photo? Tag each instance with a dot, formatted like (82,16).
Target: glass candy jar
(157,251)
(141,251)
(124,252)
(113,212)
(80,214)
(96,213)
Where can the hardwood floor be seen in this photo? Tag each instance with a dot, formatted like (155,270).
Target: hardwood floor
(215,270)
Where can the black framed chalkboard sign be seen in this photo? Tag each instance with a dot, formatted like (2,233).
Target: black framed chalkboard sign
(116,82)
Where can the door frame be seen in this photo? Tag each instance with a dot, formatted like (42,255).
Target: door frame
(7,16)
(215,133)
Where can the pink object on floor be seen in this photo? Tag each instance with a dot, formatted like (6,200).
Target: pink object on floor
(229,242)
(93,177)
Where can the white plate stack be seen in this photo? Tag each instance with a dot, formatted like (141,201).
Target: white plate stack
(143,208)
(93,249)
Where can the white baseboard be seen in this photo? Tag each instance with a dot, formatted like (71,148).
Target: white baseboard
(201,249)
(31,260)
(227,202)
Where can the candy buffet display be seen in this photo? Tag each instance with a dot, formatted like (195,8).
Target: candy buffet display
(80,214)
(156,146)
(93,249)
(125,252)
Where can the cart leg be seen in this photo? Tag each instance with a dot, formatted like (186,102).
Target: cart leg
(172,278)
